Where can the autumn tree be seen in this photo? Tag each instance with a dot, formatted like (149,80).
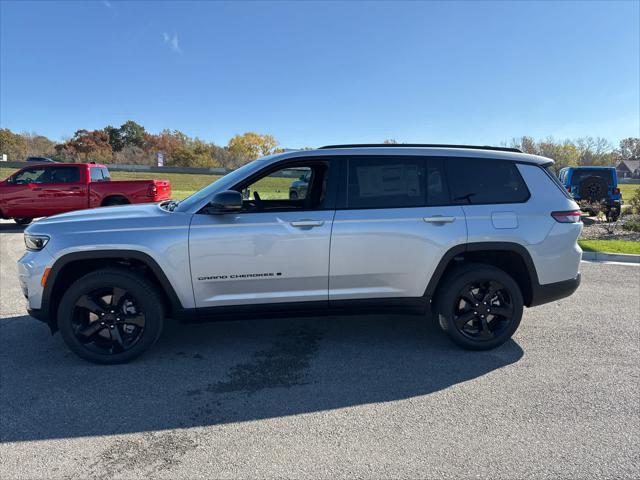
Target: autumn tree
(87,146)
(251,145)
(12,145)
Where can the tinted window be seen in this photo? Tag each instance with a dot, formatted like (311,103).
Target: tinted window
(30,175)
(63,175)
(582,174)
(482,181)
(385,183)
(96,174)
(105,173)
(437,190)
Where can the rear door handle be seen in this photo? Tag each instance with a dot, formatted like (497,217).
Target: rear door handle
(74,188)
(36,189)
(307,223)
(439,219)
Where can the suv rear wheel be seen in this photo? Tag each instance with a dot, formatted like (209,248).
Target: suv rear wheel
(110,316)
(479,306)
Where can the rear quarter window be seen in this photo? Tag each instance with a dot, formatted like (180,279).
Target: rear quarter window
(476,181)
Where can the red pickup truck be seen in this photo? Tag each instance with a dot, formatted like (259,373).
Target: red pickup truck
(48,189)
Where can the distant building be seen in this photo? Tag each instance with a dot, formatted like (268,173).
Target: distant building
(628,169)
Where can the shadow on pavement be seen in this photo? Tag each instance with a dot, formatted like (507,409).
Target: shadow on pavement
(218,373)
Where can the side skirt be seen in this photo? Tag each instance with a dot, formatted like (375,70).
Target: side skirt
(401,306)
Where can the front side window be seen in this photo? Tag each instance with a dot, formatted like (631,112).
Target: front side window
(385,183)
(30,175)
(297,187)
(474,181)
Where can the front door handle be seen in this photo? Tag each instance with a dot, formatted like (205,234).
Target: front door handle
(74,188)
(307,223)
(439,219)
(36,189)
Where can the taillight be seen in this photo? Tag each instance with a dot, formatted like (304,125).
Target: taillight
(569,189)
(572,216)
(616,191)
(153,190)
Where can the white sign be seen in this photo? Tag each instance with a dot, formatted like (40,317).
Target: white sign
(4,157)
(160,159)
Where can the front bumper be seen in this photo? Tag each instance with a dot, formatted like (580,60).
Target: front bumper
(551,292)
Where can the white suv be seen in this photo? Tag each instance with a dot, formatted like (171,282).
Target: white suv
(469,234)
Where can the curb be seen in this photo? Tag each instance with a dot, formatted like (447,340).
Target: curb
(610,257)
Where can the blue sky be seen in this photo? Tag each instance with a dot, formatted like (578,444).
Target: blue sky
(325,72)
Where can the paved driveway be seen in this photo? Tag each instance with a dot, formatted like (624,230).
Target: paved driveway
(374,396)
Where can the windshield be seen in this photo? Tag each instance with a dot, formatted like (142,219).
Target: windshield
(223,182)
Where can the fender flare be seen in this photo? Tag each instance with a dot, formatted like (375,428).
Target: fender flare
(477,247)
(50,316)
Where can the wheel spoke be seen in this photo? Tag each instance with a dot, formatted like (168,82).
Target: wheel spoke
(485,331)
(469,297)
(116,338)
(491,291)
(90,330)
(90,304)
(502,311)
(137,320)
(463,319)
(118,294)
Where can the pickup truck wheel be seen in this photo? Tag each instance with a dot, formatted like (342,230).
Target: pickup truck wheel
(110,316)
(113,201)
(479,306)
(23,220)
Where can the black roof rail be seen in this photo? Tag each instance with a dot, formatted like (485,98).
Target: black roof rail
(435,145)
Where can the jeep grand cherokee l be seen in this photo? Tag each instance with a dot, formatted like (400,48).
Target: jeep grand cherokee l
(468,235)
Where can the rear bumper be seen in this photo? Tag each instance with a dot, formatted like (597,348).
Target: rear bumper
(551,292)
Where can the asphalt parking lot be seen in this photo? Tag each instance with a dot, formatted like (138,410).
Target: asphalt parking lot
(370,396)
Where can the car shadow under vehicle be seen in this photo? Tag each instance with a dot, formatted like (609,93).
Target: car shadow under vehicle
(224,372)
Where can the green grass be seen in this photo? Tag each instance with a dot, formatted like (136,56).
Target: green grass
(610,246)
(628,190)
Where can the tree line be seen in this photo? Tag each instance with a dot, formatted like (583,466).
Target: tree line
(132,144)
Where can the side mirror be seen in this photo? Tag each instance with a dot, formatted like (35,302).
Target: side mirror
(226,202)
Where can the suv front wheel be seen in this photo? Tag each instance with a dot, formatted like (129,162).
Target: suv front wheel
(479,306)
(110,316)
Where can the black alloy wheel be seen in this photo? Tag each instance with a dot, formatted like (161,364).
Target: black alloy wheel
(111,315)
(479,306)
(108,320)
(483,310)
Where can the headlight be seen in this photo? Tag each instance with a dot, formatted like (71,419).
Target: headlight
(35,242)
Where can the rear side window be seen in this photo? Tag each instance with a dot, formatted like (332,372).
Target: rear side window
(437,188)
(96,174)
(105,173)
(386,182)
(474,181)
(63,174)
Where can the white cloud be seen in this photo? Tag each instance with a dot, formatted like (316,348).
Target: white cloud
(172,42)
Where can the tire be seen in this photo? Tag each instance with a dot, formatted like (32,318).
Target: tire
(293,195)
(23,220)
(593,189)
(113,201)
(472,323)
(110,331)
